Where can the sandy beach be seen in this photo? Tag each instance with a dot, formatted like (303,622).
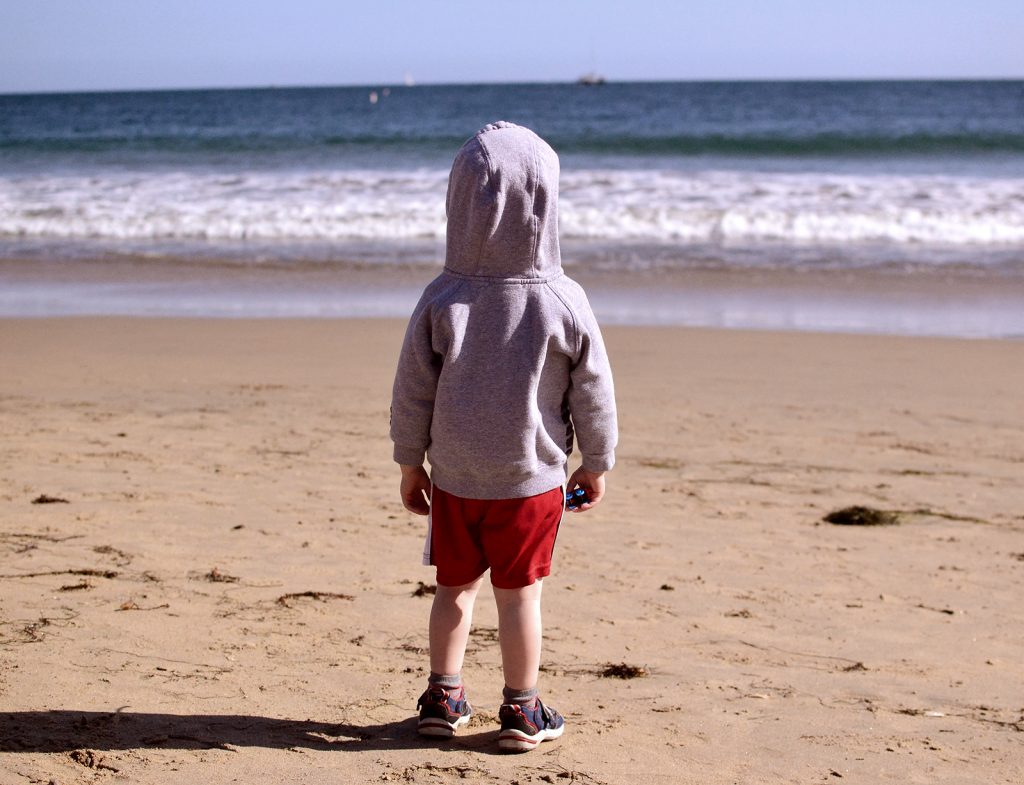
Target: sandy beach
(206,574)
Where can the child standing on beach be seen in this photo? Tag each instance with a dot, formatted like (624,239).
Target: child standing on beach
(502,364)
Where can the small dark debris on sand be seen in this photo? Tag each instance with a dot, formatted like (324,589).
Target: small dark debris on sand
(483,634)
(46,499)
(86,573)
(946,611)
(316,595)
(216,576)
(17,536)
(93,573)
(743,613)
(862,516)
(623,670)
(120,557)
(857,666)
(33,630)
(424,590)
(77,586)
(1017,556)
(667,587)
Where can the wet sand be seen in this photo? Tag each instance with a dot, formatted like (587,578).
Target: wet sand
(230,588)
(929,300)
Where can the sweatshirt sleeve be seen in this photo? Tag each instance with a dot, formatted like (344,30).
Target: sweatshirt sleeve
(592,395)
(412,398)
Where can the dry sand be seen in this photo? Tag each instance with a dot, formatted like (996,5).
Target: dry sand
(213,468)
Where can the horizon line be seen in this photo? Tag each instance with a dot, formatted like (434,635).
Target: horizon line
(499,83)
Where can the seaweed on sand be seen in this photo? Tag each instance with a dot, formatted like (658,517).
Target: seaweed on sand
(622,670)
(862,516)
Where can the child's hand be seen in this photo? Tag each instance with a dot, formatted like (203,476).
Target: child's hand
(591,482)
(415,489)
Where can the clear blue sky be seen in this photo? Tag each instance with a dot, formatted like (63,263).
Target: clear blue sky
(132,44)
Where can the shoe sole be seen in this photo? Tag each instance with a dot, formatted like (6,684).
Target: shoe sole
(516,741)
(435,726)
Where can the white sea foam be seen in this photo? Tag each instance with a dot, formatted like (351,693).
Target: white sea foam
(604,205)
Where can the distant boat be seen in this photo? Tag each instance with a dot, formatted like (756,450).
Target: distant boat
(591,79)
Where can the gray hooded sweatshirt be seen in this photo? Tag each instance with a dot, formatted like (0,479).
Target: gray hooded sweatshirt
(503,359)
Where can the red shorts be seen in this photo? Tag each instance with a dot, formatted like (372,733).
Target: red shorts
(513,537)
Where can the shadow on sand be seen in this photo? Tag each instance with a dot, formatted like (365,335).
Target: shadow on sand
(66,730)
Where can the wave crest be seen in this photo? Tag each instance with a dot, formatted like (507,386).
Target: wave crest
(605,205)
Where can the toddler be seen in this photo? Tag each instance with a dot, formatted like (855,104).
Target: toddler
(502,368)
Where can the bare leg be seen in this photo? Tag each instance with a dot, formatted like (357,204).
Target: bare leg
(450,618)
(519,631)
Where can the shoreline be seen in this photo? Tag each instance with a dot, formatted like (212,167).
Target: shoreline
(945,302)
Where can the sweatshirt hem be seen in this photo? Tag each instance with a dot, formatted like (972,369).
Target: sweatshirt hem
(471,488)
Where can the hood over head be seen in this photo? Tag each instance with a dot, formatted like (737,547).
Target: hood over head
(503,206)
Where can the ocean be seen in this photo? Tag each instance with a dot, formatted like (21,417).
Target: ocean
(894,207)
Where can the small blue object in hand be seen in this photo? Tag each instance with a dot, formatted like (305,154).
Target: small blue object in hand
(575,499)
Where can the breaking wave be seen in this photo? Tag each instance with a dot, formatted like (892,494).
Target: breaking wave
(606,205)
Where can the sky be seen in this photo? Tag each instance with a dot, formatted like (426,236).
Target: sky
(69,45)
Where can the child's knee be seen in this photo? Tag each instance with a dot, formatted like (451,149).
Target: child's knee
(520,596)
(458,593)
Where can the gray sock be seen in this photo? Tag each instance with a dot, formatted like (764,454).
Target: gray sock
(450,682)
(522,697)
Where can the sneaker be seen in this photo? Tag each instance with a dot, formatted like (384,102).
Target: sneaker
(524,727)
(440,713)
